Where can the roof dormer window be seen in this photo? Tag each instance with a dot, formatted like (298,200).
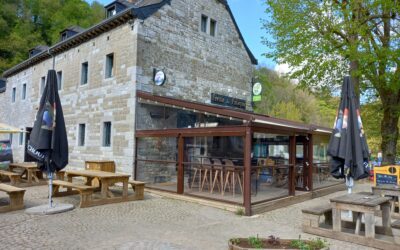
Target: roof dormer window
(64,36)
(111,11)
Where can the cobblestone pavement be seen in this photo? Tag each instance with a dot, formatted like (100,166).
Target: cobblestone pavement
(153,223)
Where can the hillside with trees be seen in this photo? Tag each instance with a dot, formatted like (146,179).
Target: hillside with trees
(25,24)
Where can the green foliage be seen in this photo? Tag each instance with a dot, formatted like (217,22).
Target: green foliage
(324,40)
(25,24)
(283,99)
(255,242)
(235,241)
(312,244)
(239,211)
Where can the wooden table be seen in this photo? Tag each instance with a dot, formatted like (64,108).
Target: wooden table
(106,179)
(358,204)
(389,190)
(29,169)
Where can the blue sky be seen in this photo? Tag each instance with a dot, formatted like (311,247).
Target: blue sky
(248,15)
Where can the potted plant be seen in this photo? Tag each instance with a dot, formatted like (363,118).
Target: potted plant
(272,242)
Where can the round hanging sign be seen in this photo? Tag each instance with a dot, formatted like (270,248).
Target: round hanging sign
(159,78)
(257,88)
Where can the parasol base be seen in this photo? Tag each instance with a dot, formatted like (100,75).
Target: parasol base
(46,210)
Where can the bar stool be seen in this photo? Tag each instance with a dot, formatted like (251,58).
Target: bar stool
(197,173)
(234,173)
(207,173)
(218,179)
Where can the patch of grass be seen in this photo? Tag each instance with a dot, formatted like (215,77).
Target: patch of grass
(255,242)
(239,211)
(311,244)
(235,241)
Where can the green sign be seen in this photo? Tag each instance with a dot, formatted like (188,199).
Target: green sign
(256,98)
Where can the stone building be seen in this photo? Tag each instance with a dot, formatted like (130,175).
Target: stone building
(164,89)
(196,43)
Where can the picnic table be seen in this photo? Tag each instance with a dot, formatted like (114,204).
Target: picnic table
(27,169)
(361,203)
(105,180)
(392,191)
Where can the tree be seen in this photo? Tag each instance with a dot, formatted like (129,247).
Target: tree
(322,40)
(25,24)
(283,99)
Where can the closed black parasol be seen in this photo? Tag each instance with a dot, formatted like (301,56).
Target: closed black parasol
(348,146)
(48,141)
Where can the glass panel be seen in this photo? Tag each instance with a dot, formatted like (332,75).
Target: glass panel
(152,117)
(204,21)
(109,65)
(14,91)
(24,91)
(321,168)
(21,139)
(84,74)
(82,128)
(157,162)
(59,80)
(42,84)
(213,27)
(270,166)
(107,134)
(214,167)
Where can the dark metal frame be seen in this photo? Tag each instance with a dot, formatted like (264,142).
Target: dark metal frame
(250,125)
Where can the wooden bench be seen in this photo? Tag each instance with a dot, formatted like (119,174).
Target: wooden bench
(15,178)
(396,231)
(138,187)
(84,191)
(16,197)
(312,215)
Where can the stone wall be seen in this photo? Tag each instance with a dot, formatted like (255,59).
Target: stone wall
(99,100)
(196,63)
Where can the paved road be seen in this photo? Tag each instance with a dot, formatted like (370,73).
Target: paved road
(154,223)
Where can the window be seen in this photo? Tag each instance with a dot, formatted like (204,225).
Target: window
(11,139)
(81,134)
(204,21)
(111,11)
(84,73)
(59,80)
(23,91)
(64,36)
(21,139)
(14,92)
(106,134)
(42,84)
(109,65)
(213,27)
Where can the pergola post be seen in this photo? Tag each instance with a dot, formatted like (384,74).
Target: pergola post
(247,171)
(181,173)
(292,163)
(310,161)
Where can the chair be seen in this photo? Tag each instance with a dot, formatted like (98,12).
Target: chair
(207,173)
(218,169)
(197,173)
(234,173)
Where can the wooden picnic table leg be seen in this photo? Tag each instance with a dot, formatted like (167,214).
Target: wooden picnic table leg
(336,217)
(357,219)
(104,188)
(33,175)
(29,176)
(386,217)
(369,225)
(125,188)
(69,177)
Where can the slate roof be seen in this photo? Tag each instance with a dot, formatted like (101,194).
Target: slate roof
(138,8)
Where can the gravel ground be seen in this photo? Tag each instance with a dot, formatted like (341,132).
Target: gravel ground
(153,223)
